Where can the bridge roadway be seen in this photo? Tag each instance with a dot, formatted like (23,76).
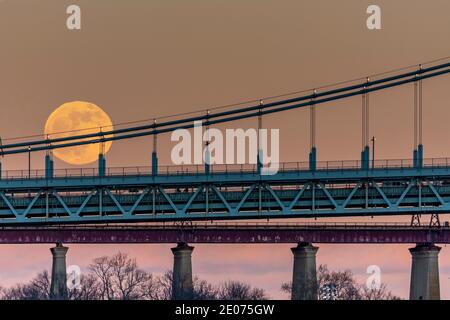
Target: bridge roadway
(285,232)
(334,189)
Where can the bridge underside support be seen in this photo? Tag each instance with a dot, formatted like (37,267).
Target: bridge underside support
(58,286)
(424,272)
(182,286)
(304,276)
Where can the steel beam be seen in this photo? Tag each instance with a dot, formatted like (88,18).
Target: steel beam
(211,233)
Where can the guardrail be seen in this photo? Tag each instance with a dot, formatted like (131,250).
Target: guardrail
(223,168)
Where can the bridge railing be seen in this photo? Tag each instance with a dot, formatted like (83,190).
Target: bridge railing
(224,168)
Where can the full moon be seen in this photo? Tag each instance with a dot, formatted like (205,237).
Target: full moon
(76,118)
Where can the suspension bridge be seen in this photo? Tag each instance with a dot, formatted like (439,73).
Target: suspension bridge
(103,204)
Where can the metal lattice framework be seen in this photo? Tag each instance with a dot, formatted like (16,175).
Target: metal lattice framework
(227,195)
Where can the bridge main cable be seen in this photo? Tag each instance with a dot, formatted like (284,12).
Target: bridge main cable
(232,115)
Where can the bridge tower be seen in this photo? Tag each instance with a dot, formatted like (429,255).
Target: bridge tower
(424,272)
(304,275)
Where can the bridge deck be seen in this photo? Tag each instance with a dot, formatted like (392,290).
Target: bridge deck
(336,189)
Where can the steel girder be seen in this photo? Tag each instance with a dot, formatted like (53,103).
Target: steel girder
(327,193)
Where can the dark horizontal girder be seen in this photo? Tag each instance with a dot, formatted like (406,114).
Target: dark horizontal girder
(249,233)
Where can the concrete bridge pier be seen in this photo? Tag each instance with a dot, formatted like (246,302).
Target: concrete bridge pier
(424,272)
(58,286)
(182,286)
(304,276)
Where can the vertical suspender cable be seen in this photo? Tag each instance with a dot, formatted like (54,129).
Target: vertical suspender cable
(367,116)
(155,152)
(155,139)
(420,111)
(101,156)
(420,146)
(312,124)
(365,156)
(207,143)
(259,160)
(418,115)
(363,122)
(207,161)
(415,114)
(259,154)
(48,161)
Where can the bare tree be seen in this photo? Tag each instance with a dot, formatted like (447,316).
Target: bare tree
(120,278)
(380,293)
(164,284)
(37,289)
(90,289)
(236,290)
(342,285)
(129,281)
(150,289)
(203,290)
(102,269)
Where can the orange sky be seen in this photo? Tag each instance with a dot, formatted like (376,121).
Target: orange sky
(140,59)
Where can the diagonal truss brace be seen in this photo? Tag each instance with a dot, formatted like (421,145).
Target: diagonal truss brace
(80,209)
(127,213)
(24,213)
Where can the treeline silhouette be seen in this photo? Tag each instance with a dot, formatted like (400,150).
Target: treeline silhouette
(119,277)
